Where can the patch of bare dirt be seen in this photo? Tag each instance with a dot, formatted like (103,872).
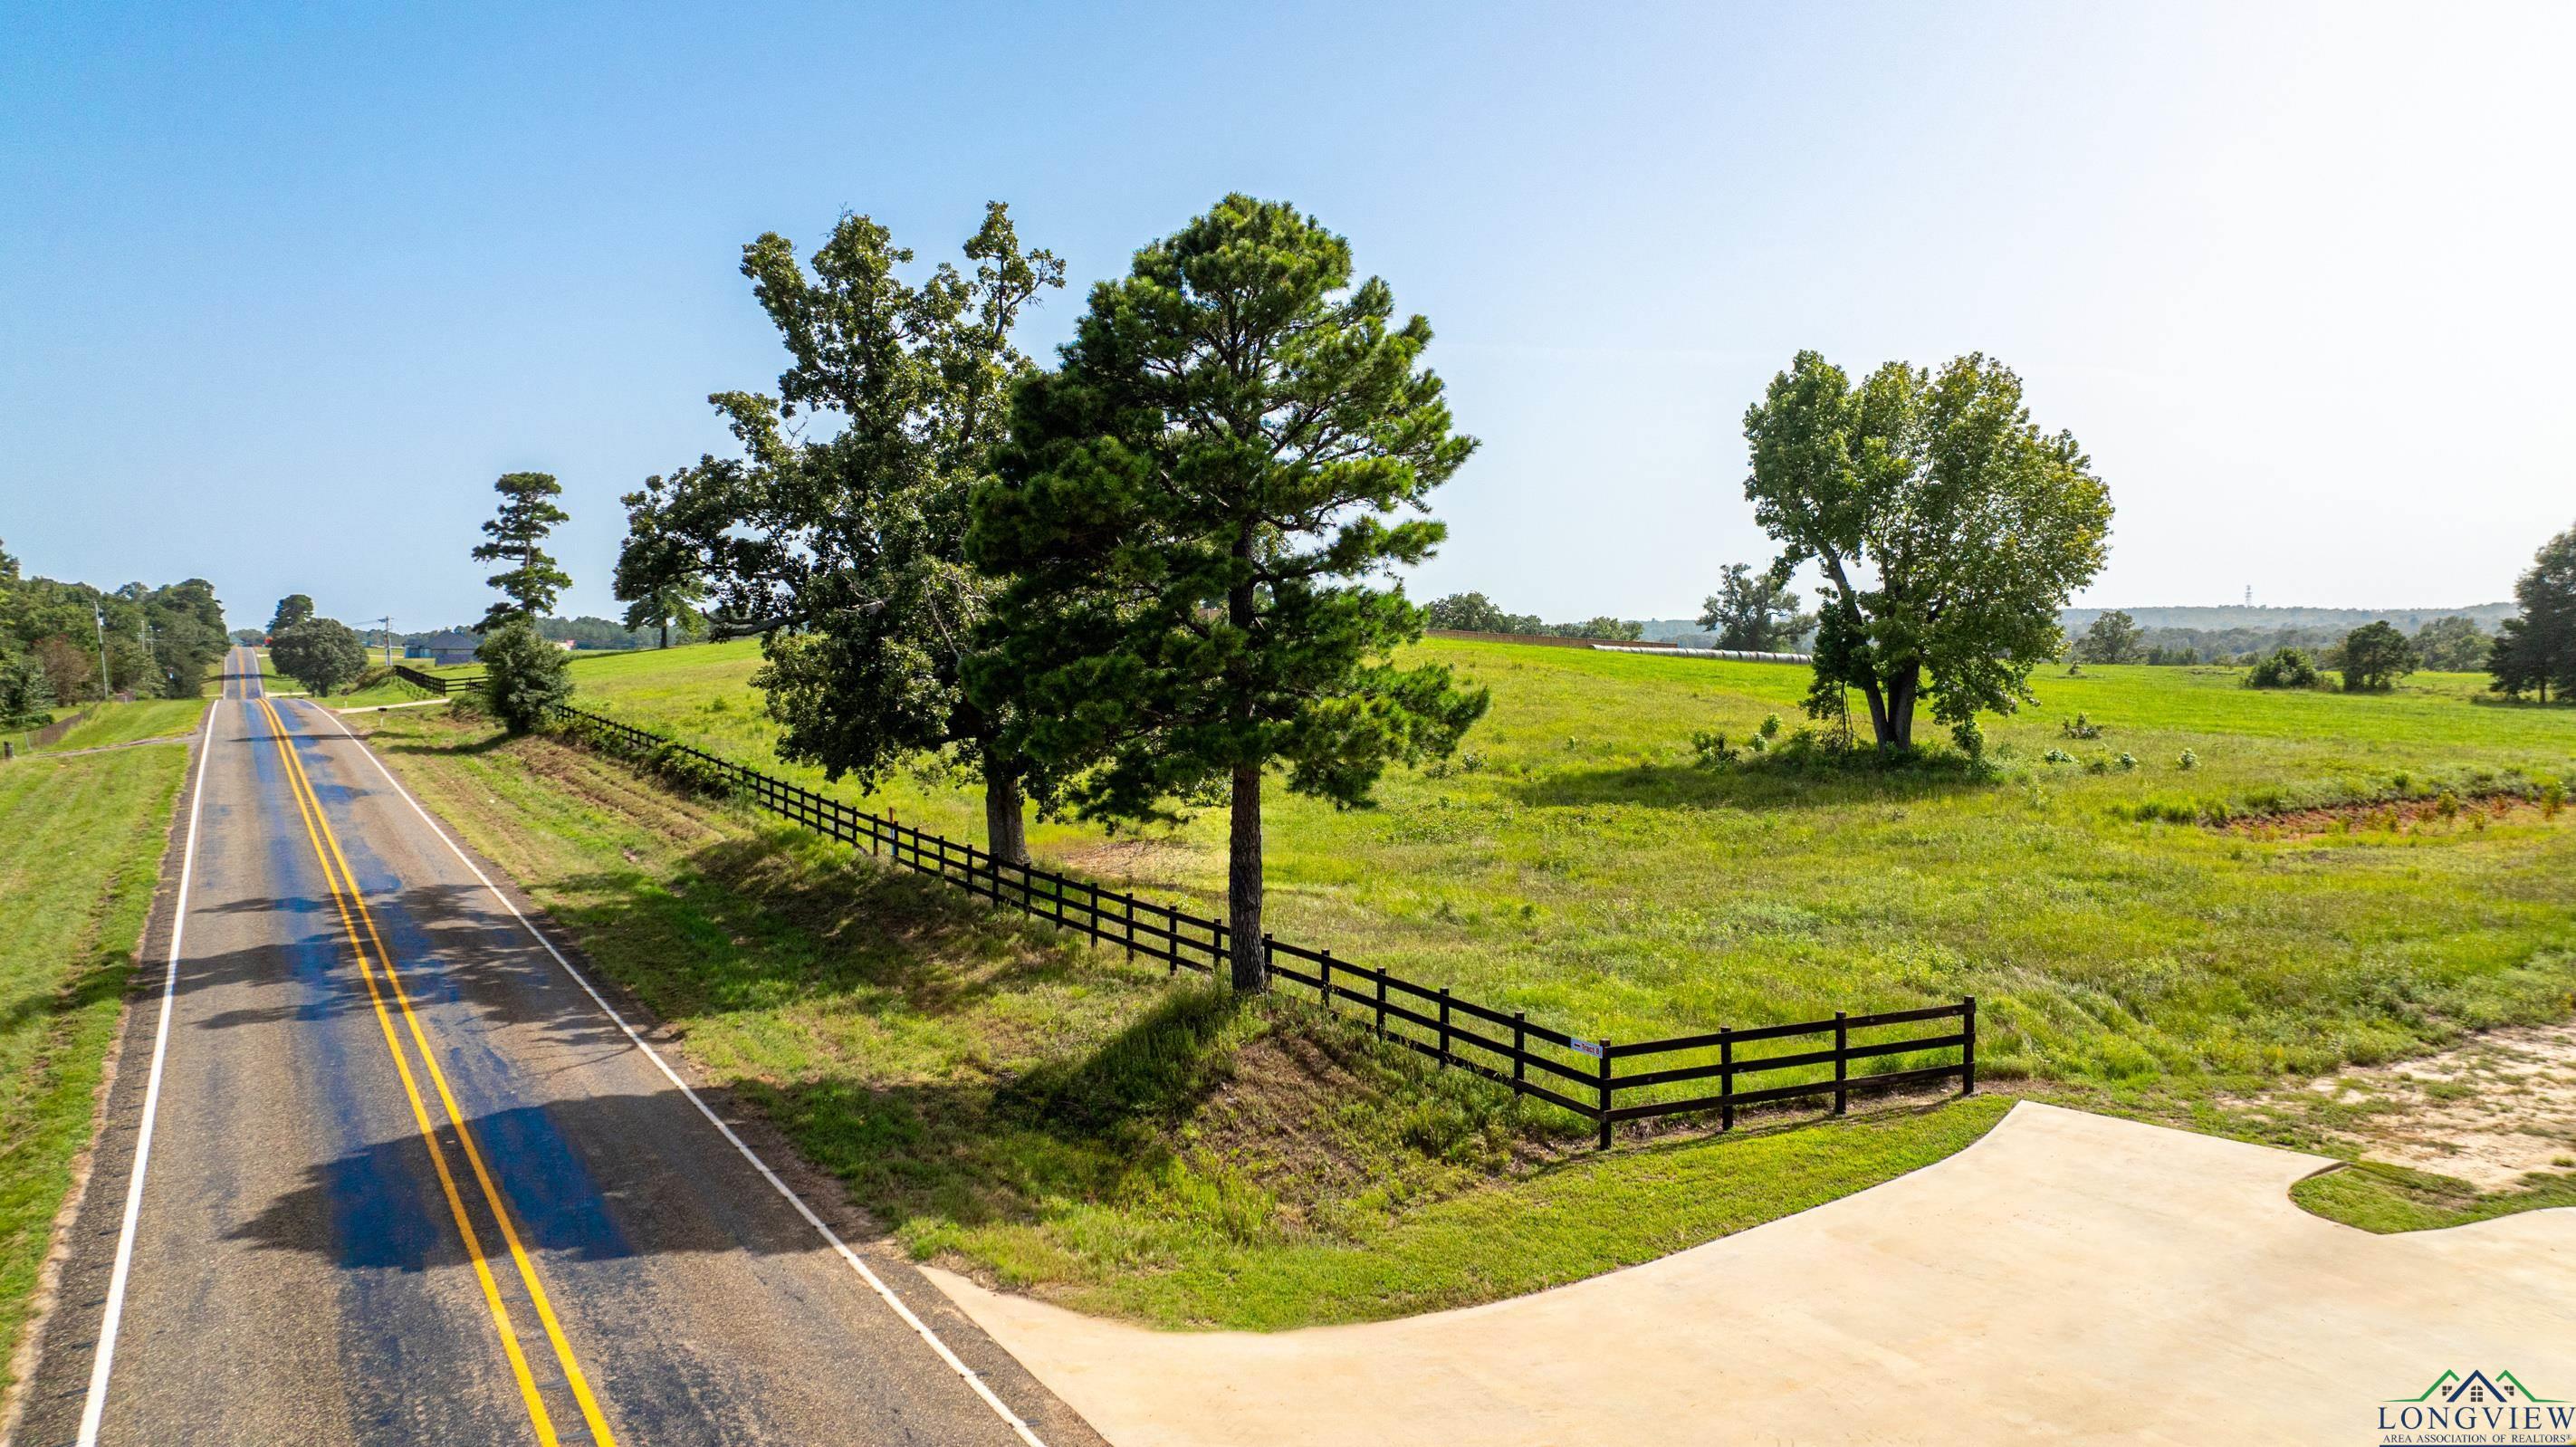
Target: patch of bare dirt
(2396,816)
(2488,1111)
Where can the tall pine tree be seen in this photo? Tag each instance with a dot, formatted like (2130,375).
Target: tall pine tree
(1188,515)
(527,514)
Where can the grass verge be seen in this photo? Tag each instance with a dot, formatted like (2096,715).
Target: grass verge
(125,723)
(80,847)
(2385,1199)
(1059,1120)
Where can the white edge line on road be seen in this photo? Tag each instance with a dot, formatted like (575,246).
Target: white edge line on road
(94,1408)
(920,1328)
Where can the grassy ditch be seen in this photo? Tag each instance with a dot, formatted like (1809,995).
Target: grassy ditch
(1061,1121)
(80,847)
(125,723)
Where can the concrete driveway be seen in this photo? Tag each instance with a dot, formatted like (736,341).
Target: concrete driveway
(2070,1278)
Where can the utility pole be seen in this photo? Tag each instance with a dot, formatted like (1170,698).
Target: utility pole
(99,611)
(388,622)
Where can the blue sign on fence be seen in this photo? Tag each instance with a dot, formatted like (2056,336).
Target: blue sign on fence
(1588,1047)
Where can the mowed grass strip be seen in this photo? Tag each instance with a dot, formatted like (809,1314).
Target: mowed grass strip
(1573,862)
(2385,1199)
(125,723)
(1061,1121)
(80,847)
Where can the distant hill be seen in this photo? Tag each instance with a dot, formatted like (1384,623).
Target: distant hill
(2232,616)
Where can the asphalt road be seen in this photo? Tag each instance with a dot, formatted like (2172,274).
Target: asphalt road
(405,1178)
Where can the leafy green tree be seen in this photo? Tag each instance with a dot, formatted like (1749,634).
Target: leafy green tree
(2452,645)
(1949,530)
(1188,514)
(527,514)
(292,609)
(847,553)
(524,676)
(2113,638)
(2375,656)
(657,577)
(1608,630)
(2536,652)
(1467,613)
(323,654)
(2285,668)
(71,671)
(26,695)
(1754,612)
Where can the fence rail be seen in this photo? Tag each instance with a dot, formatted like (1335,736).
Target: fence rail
(1663,1077)
(433,682)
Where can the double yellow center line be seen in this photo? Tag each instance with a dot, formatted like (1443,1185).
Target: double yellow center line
(360,924)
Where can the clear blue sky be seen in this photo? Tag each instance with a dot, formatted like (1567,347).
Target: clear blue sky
(282,290)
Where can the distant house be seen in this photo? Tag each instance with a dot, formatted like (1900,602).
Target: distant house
(442,649)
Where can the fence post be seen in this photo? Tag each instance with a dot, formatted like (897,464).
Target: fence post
(1324,974)
(1130,911)
(1444,1024)
(1726,1077)
(1520,1047)
(1842,1066)
(1381,1003)
(1602,1141)
(1968,1047)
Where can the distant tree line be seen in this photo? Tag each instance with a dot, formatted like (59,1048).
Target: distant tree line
(1476,613)
(2450,644)
(158,642)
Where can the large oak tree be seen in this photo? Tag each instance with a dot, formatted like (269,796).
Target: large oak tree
(1191,515)
(843,544)
(1949,530)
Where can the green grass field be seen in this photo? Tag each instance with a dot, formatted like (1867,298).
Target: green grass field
(1573,862)
(80,845)
(1059,1120)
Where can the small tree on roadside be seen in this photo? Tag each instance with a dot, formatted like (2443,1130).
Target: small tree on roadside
(1754,612)
(1949,529)
(1188,516)
(2536,652)
(2452,645)
(524,676)
(2375,656)
(71,671)
(527,514)
(2113,638)
(26,696)
(322,654)
(292,609)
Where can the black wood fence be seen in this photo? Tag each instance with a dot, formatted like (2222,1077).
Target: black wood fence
(442,686)
(1720,1072)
